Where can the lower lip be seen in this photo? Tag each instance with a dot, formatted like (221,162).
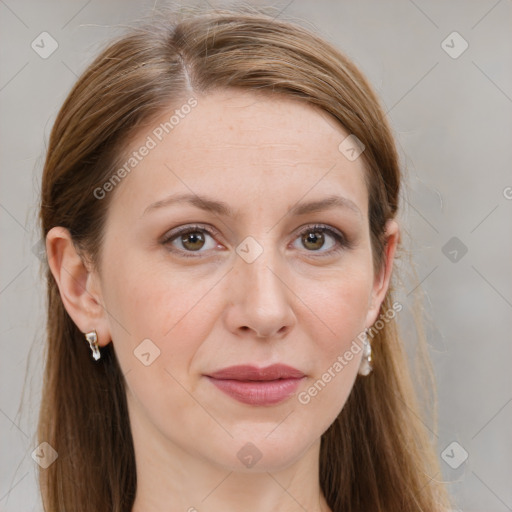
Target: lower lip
(267,392)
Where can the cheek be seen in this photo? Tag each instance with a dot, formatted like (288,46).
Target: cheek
(341,304)
(160,323)
(171,310)
(146,297)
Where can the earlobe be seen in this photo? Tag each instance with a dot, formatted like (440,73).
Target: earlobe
(82,300)
(381,281)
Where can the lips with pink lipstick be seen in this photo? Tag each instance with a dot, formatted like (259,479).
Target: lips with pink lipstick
(258,386)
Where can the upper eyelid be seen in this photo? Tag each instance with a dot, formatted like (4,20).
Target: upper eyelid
(207,228)
(168,236)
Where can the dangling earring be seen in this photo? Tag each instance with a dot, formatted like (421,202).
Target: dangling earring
(92,338)
(366,366)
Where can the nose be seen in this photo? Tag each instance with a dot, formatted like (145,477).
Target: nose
(260,299)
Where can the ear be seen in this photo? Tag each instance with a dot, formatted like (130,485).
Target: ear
(381,281)
(79,285)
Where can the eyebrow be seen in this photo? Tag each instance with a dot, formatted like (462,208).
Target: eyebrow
(221,208)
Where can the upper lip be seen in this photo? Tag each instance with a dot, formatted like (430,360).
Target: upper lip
(249,372)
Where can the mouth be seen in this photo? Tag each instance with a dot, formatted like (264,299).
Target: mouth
(258,386)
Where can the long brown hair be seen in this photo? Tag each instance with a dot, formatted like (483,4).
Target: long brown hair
(376,455)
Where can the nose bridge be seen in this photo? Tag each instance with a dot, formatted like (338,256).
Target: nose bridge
(259,287)
(256,265)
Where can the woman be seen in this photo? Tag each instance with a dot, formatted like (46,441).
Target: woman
(219,204)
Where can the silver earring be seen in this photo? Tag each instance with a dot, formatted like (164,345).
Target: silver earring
(92,338)
(366,366)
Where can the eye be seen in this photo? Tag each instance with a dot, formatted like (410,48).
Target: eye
(190,239)
(322,239)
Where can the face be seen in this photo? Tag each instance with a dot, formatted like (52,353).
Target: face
(215,255)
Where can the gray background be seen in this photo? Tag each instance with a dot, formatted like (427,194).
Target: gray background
(453,124)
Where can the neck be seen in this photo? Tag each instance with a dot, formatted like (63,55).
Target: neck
(172,479)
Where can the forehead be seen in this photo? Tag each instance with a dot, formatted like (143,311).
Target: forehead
(231,143)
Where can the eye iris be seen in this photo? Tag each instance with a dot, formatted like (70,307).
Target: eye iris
(190,239)
(313,238)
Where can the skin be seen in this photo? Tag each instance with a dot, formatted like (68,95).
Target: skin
(261,155)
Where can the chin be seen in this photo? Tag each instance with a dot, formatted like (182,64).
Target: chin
(258,455)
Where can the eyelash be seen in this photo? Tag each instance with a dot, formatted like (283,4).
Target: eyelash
(341,241)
